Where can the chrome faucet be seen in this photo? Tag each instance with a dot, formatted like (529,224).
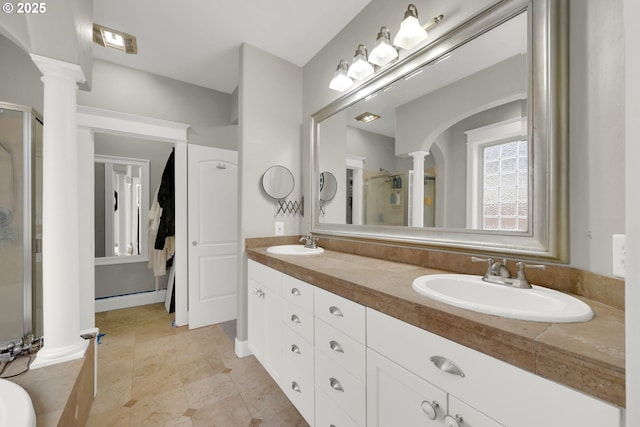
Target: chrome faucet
(310,241)
(499,274)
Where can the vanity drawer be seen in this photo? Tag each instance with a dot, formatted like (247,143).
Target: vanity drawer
(300,391)
(341,313)
(298,292)
(329,414)
(264,275)
(298,319)
(342,349)
(341,387)
(297,353)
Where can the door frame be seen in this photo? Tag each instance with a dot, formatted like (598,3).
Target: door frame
(91,120)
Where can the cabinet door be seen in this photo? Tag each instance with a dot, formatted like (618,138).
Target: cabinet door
(396,397)
(255,319)
(273,333)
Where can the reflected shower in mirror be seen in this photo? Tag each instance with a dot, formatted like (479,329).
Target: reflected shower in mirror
(121,206)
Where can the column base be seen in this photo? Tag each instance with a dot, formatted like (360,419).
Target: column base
(47,357)
(242,348)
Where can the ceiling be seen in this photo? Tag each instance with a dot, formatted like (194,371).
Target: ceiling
(199,41)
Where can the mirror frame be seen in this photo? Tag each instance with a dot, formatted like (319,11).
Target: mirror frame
(144,165)
(547,100)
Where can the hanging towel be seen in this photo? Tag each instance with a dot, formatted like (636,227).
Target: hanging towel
(158,258)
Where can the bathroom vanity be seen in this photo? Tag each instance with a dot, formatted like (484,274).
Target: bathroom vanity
(352,344)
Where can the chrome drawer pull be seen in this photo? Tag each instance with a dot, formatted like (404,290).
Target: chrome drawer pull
(295,319)
(430,409)
(295,291)
(446,365)
(456,421)
(295,349)
(295,387)
(335,384)
(335,346)
(335,311)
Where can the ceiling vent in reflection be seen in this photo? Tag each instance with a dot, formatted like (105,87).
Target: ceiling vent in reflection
(367,117)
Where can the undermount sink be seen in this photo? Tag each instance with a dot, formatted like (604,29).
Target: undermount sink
(472,293)
(293,250)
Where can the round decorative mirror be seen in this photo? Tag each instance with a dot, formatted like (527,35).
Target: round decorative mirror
(328,186)
(277,182)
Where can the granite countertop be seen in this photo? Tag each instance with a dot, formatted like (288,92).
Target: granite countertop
(586,356)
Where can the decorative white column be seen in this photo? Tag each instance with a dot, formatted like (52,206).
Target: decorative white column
(60,229)
(417,193)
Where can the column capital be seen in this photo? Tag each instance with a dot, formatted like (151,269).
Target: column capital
(54,67)
(419,154)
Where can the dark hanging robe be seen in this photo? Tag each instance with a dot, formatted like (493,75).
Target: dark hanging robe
(166,200)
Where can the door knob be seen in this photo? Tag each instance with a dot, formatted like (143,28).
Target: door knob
(194,243)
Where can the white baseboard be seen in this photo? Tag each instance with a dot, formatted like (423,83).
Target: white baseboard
(242,348)
(132,300)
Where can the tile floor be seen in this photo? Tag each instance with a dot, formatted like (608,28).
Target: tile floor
(152,374)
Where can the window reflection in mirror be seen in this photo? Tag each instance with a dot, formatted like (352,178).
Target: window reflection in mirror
(121,207)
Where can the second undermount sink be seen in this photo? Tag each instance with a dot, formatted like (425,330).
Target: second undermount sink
(293,250)
(472,293)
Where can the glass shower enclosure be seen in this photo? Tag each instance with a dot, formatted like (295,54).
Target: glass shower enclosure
(20,224)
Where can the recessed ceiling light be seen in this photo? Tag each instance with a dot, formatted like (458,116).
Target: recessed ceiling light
(115,39)
(367,117)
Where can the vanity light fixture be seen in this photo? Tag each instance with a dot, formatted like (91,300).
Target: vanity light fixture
(411,33)
(360,68)
(367,117)
(383,52)
(115,39)
(340,80)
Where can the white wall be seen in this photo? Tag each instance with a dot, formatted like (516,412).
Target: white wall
(19,77)
(124,89)
(378,150)
(270,118)
(418,123)
(596,132)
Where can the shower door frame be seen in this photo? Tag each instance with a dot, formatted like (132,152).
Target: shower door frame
(31,244)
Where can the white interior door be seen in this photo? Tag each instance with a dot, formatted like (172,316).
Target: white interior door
(213,194)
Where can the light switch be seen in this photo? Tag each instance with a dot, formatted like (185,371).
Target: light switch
(279,228)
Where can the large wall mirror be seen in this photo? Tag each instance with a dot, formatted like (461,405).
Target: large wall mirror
(121,209)
(469,147)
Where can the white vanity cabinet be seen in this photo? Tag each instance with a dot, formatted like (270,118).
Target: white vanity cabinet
(264,316)
(481,390)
